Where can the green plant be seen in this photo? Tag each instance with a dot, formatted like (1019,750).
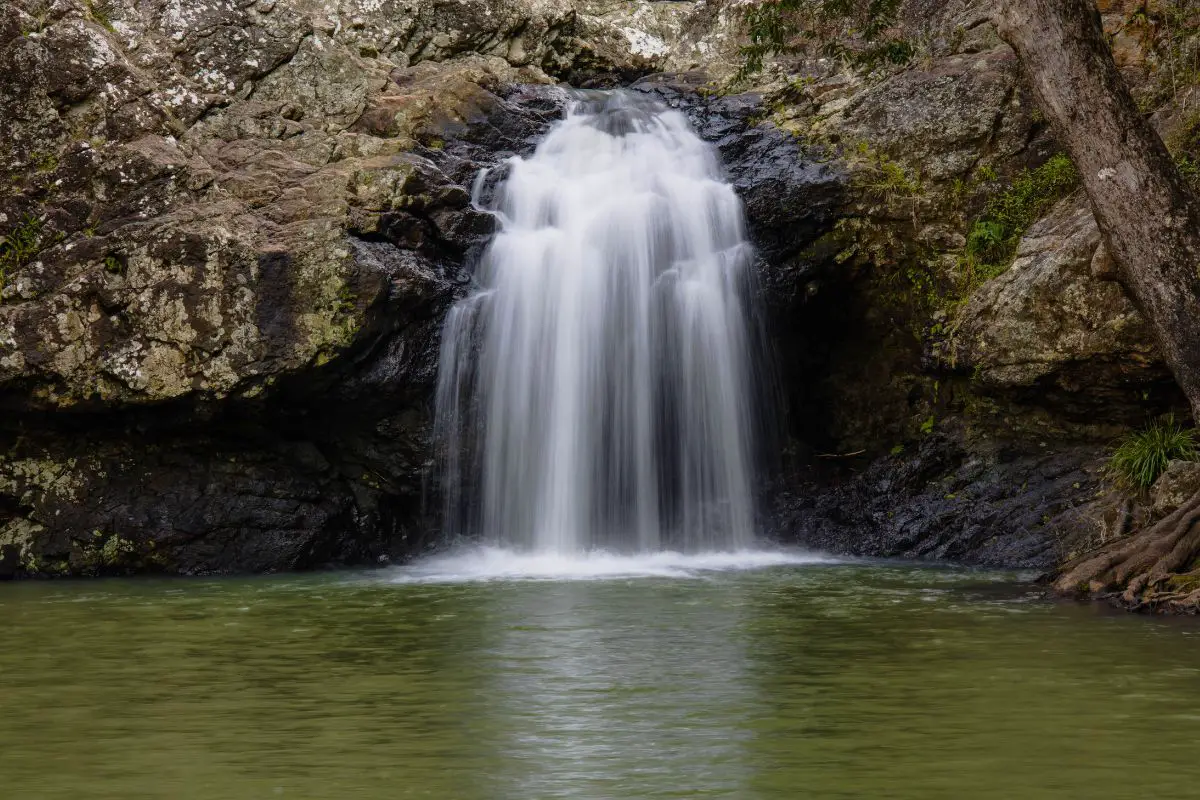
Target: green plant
(993,238)
(99,14)
(884,178)
(19,245)
(1189,169)
(986,238)
(45,162)
(861,31)
(1143,455)
(22,243)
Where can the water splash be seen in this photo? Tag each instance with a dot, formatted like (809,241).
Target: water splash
(598,391)
(495,564)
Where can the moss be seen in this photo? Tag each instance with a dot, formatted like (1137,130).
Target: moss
(1189,170)
(116,550)
(881,175)
(1189,582)
(45,162)
(1008,215)
(346,300)
(110,552)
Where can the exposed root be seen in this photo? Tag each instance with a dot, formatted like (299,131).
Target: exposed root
(1154,569)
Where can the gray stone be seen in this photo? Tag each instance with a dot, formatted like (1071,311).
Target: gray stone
(1176,485)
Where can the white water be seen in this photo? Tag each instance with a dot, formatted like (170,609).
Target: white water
(494,564)
(597,392)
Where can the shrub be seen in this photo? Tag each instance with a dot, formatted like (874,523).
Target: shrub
(1142,456)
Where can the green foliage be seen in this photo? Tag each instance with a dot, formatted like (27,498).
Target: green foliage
(99,14)
(987,238)
(1171,28)
(993,237)
(1142,456)
(883,177)
(20,245)
(1189,170)
(857,30)
(1184,144)
(114,265)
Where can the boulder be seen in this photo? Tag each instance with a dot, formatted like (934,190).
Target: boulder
(1050,324)
(1174,487)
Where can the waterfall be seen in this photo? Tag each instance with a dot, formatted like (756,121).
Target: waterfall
(597,391)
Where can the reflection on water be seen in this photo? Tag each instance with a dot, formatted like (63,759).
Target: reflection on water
(809,680)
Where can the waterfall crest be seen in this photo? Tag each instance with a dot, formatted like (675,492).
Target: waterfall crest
(598,390)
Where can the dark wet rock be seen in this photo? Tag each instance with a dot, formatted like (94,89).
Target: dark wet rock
(1005,504)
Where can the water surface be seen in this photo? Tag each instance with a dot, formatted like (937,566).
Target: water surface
(480,679)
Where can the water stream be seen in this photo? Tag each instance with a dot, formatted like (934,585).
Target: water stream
(598,391)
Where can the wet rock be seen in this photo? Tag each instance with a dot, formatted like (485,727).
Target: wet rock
(793,195)
(1000,504)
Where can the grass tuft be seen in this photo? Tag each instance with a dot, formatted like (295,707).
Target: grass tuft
(1142,456)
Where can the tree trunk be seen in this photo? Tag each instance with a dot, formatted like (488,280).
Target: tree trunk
(1148,218)
(1150,224)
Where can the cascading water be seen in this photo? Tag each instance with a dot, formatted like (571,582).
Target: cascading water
(598,391)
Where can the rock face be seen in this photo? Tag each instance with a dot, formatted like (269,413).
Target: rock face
(932,414)
(1050,324)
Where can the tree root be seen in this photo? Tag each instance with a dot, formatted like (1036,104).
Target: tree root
(1154,569)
